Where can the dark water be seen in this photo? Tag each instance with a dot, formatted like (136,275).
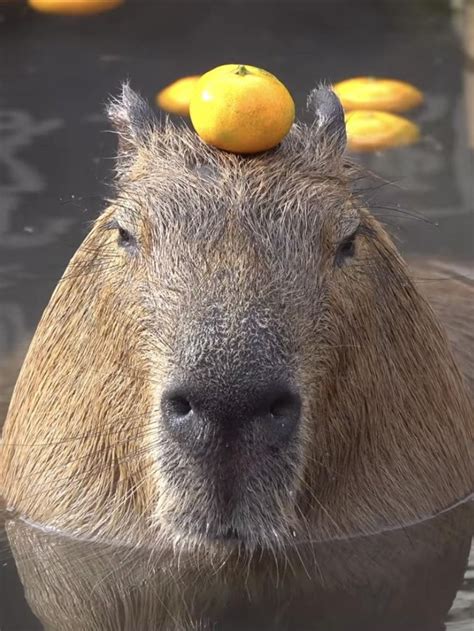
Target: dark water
(55,155)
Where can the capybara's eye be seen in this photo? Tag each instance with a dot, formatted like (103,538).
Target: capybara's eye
(346,249)
(125,238)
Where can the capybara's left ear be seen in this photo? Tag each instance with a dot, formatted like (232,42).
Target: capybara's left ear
(329,121)
(134,122)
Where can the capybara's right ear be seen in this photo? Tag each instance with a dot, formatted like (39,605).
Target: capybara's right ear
(329,116)
(133,120)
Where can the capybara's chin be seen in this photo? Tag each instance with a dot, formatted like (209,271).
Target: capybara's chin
(214,532)
(250,506)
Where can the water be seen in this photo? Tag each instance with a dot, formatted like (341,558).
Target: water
(55,157)
(76,585)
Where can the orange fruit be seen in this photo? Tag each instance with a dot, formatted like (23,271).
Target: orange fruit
(74,7)
(242,109)
(176,96)
(371,93)
(372,130)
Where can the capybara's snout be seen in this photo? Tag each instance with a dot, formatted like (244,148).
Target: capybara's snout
(231,439)
(233,385)
(196,414)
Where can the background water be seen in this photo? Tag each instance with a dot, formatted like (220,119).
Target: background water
(55,153)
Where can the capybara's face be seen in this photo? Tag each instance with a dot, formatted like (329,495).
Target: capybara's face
(243,278)
(235,355)
(231,275)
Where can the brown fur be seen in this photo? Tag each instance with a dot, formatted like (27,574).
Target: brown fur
(387,427)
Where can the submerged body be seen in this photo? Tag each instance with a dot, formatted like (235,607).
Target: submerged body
(404,580)
(237,366)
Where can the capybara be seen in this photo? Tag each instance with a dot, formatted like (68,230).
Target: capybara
(236,365)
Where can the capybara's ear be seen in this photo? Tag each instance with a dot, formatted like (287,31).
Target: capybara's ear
(323,103)
(133,120)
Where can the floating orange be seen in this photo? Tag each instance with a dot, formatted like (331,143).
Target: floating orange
(175,97)
(242,109)
(371,93)
(372,130)
(74,7)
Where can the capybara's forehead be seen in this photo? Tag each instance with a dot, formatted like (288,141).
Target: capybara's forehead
(177,179)
(304,156)
(280,198)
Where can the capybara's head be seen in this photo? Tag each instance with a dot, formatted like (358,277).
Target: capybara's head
(236,354)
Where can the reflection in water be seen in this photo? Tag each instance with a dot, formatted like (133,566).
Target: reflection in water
(462,612)
(17,130)
(467,35)
(400,580)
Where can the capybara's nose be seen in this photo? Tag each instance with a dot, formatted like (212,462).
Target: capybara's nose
(270,412)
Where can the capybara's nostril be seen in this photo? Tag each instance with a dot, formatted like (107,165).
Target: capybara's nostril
(178,413)
(282,410)
(176,409)
(269,411)
(179,405)
(287,404)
